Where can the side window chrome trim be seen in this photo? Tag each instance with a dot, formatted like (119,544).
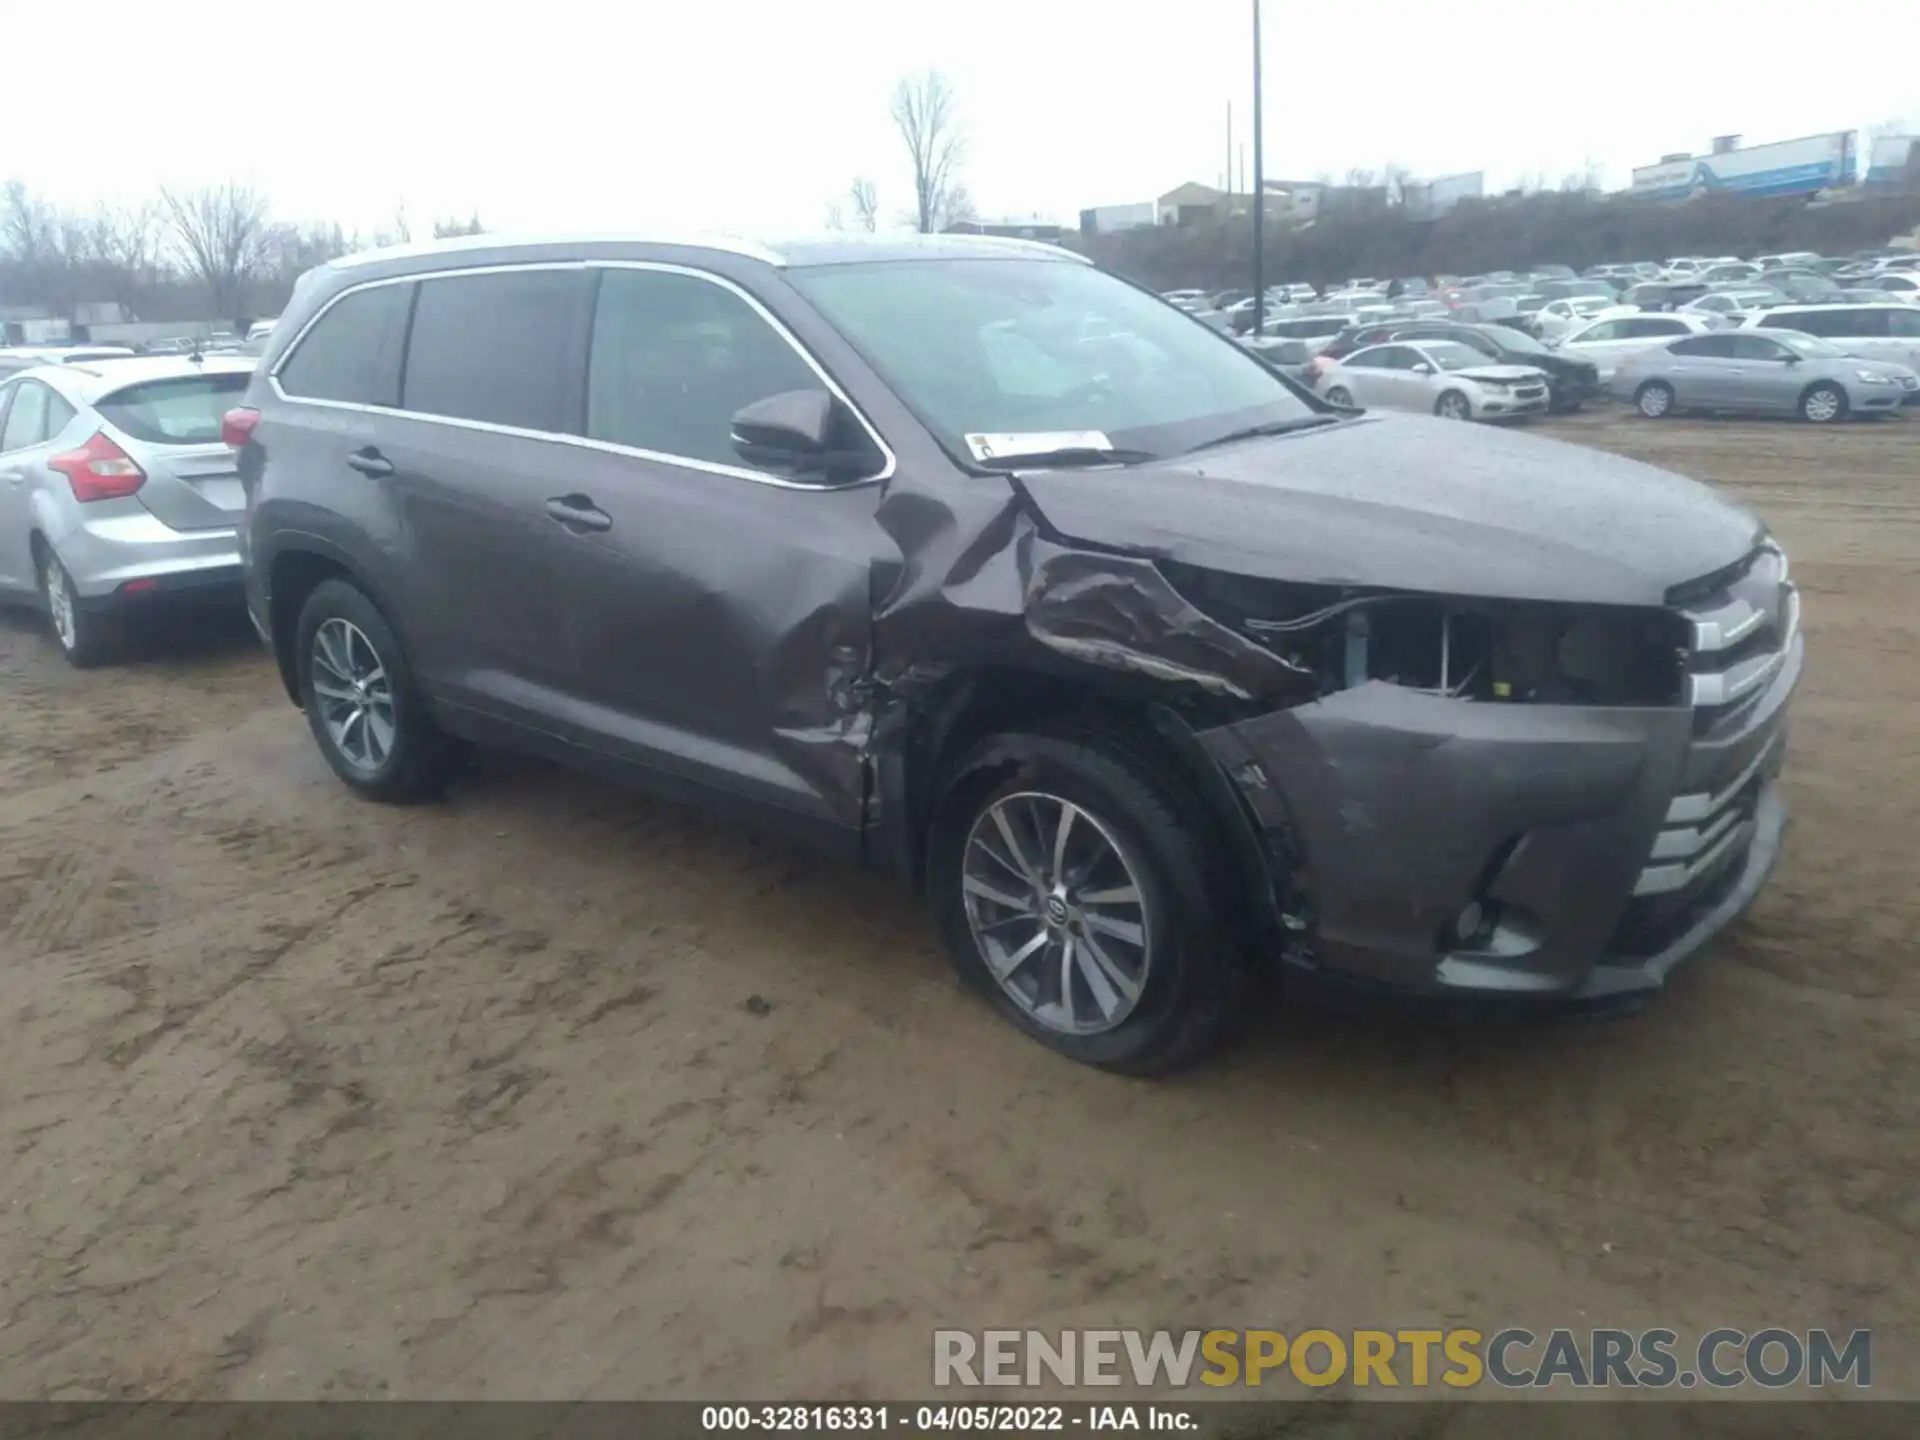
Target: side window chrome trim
(888,459)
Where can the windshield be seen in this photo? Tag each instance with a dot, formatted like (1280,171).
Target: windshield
(1452,355)
(1004,348)
(185,411)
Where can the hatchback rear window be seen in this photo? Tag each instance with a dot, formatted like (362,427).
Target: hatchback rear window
(182,411)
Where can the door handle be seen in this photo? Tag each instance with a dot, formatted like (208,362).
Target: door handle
(15,477)
(370,462)
(577,512)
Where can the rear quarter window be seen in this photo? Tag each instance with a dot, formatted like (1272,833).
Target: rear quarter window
(185,411)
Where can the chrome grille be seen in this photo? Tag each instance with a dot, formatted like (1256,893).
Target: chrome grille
(1740,627)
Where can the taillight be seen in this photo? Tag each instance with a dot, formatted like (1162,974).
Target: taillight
(99,470)
(237,425)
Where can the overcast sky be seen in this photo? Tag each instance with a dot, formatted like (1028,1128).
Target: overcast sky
(750,115)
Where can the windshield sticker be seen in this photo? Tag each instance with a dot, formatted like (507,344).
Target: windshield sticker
(1038,442)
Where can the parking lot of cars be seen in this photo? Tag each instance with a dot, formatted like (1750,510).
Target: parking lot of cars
(558,1090)
(1866,305)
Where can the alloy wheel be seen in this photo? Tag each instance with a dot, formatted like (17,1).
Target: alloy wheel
(1822,405)
(355,697)
(1454,407)
(1057,912)
(60,604)
(1655,401)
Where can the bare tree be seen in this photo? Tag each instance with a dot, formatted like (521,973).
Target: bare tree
(928,119)
(28,227)
(1359,177)
(221,234)
(959,206)
(444,229)
(836,217)
(126,238)
(865,200)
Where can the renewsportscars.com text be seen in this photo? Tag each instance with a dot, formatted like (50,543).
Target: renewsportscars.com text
(1512,1358)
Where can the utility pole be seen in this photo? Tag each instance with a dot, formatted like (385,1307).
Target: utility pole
(1259,192)
(1226,182)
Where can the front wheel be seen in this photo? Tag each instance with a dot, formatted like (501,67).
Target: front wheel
(1823,404)
(1654,399)
(1341,396)
(1084,892)
(365,711)
(1453,406)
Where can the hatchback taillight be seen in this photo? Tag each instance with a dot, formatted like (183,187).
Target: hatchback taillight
(236,426)
(99,470)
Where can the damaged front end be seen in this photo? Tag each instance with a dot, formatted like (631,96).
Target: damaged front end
(1449,793)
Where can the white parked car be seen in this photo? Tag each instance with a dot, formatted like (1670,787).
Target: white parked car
(1435,377)
(1605,340)
(1731,307)
(1901,285)
(1557,317)
(1873,332)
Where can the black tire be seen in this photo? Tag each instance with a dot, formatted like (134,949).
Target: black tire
(86,638)
(1451,401)
(419,760)
(1202,968)
(1340,395)
(1654,400)
(1823,404)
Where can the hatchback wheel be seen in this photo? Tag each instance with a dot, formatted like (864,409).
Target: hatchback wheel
(362,705)
(1823,404)
(83,637)
(1086,895)
(1654,399)
(1453,406)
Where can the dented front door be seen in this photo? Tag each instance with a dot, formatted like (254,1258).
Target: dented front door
(719,628)
(719,615)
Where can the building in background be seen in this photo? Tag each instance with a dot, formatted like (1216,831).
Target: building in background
(1894,160)
(1110,219)
(1788,167)
(1430,199)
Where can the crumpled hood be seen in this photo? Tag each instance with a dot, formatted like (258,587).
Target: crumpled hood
(1411,504)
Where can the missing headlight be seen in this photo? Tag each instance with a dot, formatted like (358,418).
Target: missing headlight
(1468,649)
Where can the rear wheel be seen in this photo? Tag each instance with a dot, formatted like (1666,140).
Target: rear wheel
(1823,404)
(84,638)
(1084,893)
(1654,399)
(1452,405)
(365,711)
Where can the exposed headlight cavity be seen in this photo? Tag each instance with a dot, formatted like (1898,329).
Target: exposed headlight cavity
(1495,651)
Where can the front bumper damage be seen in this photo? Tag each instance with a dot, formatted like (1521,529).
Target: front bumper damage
(1511,850)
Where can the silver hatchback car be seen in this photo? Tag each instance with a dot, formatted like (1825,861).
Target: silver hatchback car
(116,488)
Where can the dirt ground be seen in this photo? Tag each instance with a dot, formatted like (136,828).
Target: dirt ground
(556,1091)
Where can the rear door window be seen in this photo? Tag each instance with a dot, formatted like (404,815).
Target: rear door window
(184,411)
(502,347)
(352,353)
(1903,323)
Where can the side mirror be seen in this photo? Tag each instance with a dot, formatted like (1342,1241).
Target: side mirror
(1423,368)
(797,431)
(1793,359)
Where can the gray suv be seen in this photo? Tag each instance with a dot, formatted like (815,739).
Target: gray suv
(965,560)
